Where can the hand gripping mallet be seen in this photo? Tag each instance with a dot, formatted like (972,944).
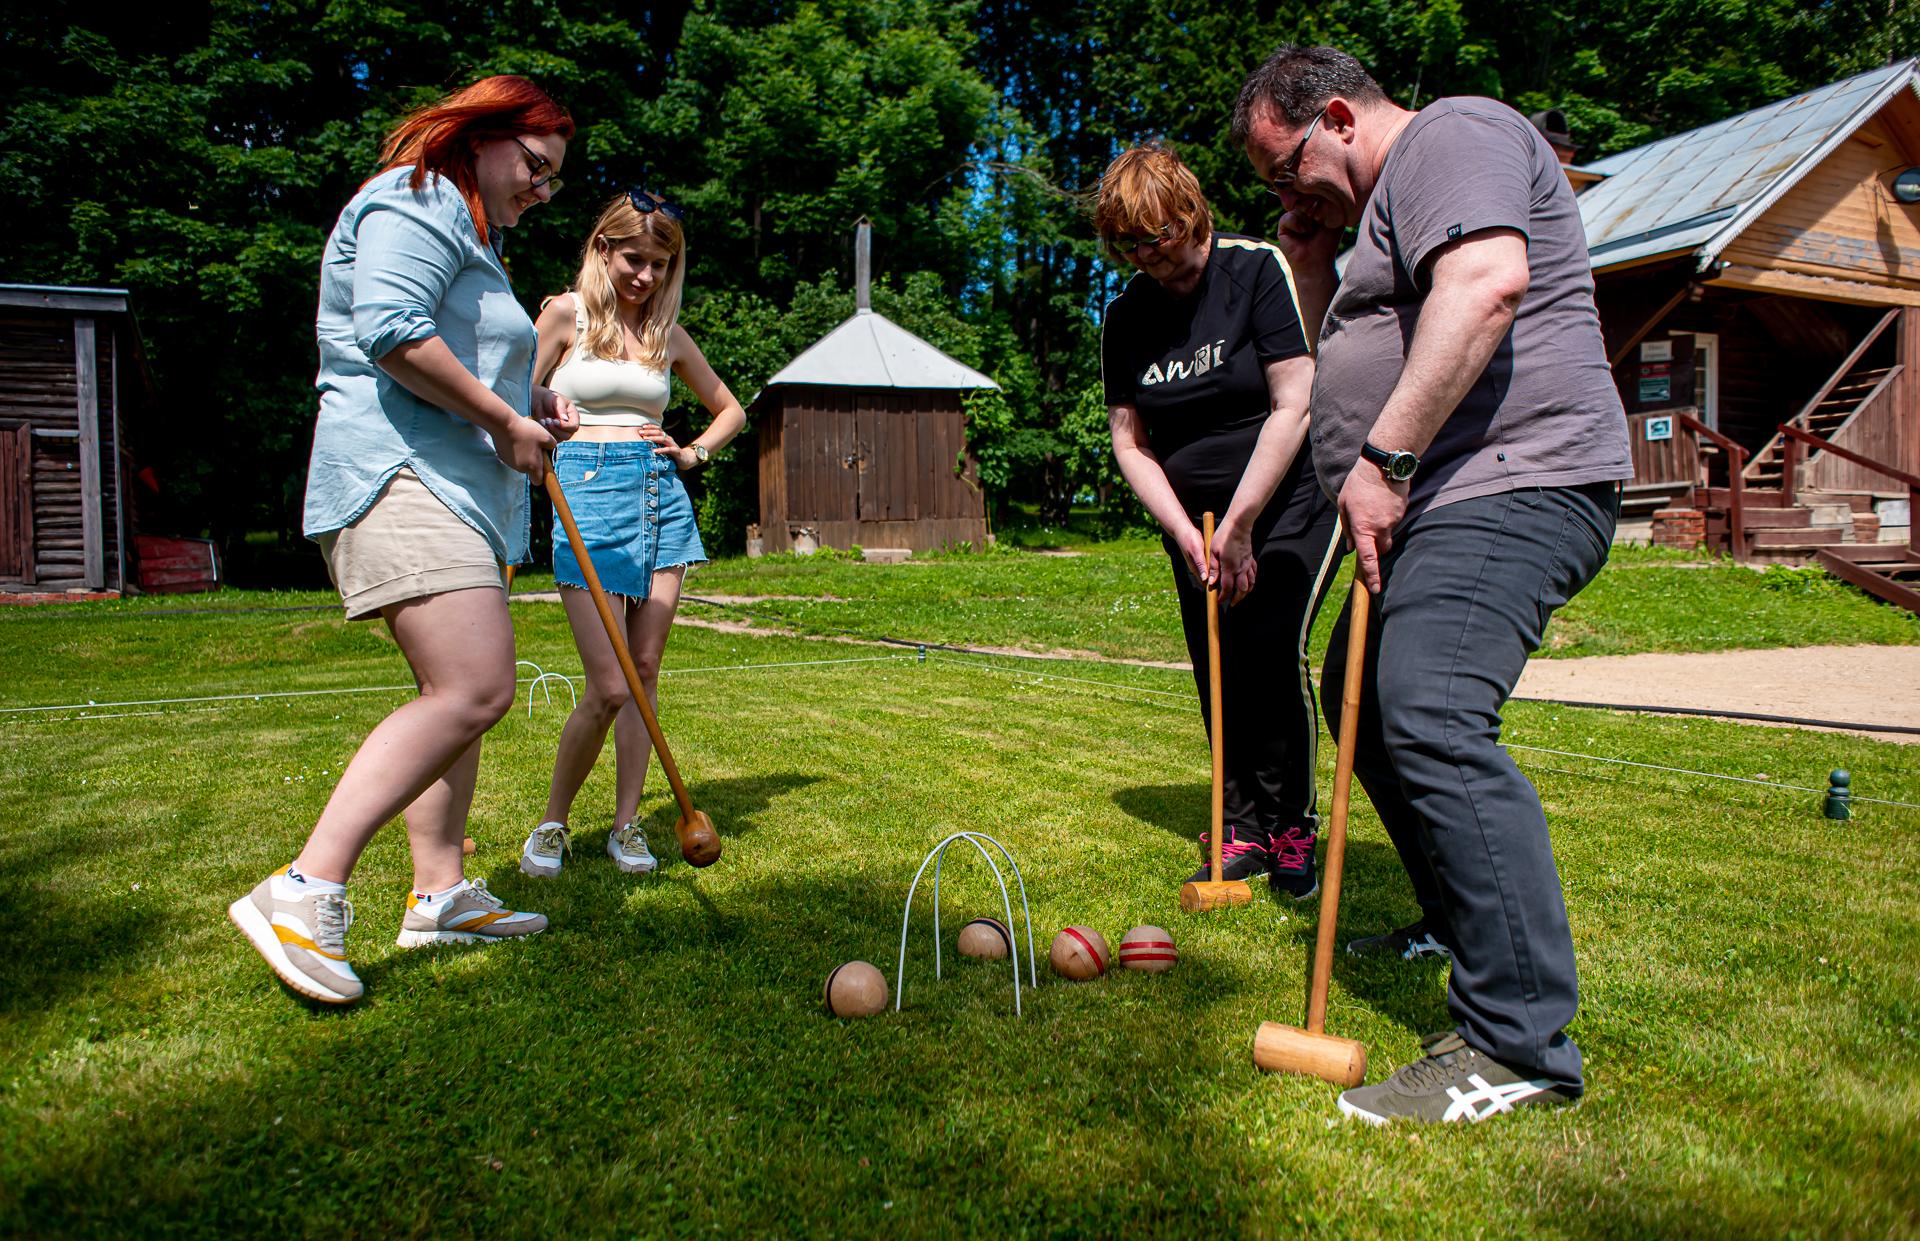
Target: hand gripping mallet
(1283,1049)
(699,842)
(1214,893)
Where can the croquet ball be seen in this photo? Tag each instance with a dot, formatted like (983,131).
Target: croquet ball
(1148,948)
(856,989)
(1079,952)
(466,846)
(985,937)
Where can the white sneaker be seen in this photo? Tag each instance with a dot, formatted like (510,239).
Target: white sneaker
(628,849)
(304,939)
(546,850)
(471,916)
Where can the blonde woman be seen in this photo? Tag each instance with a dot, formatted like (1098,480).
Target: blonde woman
(611,345)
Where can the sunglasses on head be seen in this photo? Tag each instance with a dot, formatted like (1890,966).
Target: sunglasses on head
(646,202)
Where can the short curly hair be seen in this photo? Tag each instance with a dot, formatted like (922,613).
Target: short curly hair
(1145,187)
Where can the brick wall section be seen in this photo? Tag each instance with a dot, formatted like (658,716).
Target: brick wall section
(1679,527)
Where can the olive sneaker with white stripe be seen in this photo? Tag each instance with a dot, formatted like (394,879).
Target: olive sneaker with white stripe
(546,850)
(302,933)
(464,914)
(628,849)
(1451,1082)
(1409,943)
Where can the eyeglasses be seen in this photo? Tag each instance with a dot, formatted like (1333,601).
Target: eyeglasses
(646,202)
(1283,177)
(1153,241)
(535,162)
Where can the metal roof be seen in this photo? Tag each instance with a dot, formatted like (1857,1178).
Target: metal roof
(1698,190)
(872,351)
(63,297)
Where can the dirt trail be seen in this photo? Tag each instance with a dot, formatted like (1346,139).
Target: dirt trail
(1858,684)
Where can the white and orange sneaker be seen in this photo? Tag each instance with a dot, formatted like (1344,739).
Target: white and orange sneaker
(302,934)
(467,914)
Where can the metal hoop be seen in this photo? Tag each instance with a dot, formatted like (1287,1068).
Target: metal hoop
(936,858)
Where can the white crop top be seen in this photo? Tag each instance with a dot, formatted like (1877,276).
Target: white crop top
(610,392)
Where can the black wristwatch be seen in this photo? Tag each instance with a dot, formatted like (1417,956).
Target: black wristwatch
(1395,467)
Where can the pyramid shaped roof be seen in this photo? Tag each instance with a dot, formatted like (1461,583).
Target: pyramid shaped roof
(870,350)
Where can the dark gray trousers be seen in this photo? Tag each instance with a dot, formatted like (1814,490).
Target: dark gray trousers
(1468,589)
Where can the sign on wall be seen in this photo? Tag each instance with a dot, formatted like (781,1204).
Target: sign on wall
(1659,429)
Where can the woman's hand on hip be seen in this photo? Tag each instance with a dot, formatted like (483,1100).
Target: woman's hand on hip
(1233,556)
(524,445)
(664,444)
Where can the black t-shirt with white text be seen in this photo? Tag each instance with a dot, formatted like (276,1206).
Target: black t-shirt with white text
(1193,367)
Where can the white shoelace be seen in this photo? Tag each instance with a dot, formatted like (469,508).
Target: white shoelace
(332,915)
(477,889)
(633,839)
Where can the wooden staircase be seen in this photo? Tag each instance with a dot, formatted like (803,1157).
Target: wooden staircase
(1852,387)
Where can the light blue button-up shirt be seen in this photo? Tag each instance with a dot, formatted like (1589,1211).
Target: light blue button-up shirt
(404,266)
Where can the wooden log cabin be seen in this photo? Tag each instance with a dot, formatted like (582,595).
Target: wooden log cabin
(1759,283)
(862,440)
(70,369)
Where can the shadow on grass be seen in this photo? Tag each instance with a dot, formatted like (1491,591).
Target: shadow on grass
(76,943)
(725,1096)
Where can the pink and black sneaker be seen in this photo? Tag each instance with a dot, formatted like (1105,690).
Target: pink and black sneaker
(1243,854)
(1290,868)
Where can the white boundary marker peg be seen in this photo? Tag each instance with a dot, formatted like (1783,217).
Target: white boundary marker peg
(935,857)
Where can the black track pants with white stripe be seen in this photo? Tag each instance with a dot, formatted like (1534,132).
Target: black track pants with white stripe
(1272,722)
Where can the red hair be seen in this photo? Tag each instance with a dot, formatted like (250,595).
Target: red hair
(441,136)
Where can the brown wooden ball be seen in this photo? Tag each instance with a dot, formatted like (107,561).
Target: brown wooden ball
(1079,952)
(466,846)
(987,938)
(856,989)
(1148,948)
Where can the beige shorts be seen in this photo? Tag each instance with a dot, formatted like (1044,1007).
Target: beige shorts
(407,545)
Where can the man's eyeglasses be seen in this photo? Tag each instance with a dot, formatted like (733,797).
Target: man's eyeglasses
(535,177)
(1284,175)
(646,202)
(1152,241)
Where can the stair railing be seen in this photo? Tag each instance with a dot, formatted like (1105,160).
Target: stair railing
(1841,372)
(1736,481)
(1801,440)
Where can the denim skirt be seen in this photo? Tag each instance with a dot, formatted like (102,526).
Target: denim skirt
(633,513)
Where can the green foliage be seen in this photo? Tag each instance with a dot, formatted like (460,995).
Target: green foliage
(200,161)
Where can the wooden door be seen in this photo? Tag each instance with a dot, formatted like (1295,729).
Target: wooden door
(16,504)
(889,454)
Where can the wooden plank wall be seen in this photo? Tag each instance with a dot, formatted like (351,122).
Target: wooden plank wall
(1841,222)
(76,542)
(1663,462)
(1888,430)
(872,467)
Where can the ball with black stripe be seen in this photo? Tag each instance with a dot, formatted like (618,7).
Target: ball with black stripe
(986,938)
(856,989)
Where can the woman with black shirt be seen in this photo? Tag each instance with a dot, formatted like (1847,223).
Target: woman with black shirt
(1207,373)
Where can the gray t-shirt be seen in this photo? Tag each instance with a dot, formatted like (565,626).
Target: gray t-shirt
(1545,412)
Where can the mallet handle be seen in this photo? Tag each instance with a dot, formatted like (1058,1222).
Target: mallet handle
(1342,788)
(620,651)
(1213,703)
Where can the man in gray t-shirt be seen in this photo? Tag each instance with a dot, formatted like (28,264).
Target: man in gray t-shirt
(1465,419)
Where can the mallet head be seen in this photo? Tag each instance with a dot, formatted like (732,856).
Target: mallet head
(1285,1049)
(1200,896)
(699,842)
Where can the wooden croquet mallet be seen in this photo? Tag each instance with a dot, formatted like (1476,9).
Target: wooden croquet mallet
(1283,1049)
(699,842)
(1215,892)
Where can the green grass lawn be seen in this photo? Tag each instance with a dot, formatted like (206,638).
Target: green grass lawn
(1117,599)
(658,1063)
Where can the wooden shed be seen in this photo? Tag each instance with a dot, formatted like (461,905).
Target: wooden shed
(1758,280)
(862,439)
(70,369)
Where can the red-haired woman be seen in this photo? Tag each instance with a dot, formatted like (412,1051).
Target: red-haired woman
(429,427)
(1208,372)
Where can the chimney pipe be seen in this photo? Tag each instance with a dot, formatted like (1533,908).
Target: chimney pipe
(863,266)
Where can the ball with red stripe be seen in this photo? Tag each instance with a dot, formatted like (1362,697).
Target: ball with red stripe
(1079,952)
(1148,948)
